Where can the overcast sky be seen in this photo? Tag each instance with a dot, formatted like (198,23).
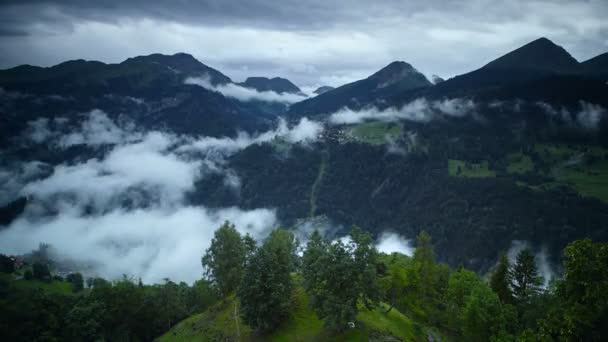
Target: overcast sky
(311,42)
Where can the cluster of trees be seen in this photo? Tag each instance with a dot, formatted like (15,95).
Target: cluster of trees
(123,310)
(340,277)
(345,276)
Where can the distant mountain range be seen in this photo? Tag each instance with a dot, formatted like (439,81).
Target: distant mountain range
(475,182)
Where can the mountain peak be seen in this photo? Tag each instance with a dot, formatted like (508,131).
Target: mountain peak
(276,84)
(540,55)
(323,89)
(398,71)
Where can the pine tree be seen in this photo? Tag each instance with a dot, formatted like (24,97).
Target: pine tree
(501,280)
(525,281)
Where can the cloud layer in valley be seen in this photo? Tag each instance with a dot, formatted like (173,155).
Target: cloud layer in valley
(124,211)
(245,94)
(587,116)
(419,110)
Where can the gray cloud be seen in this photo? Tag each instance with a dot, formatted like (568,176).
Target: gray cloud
(313,42)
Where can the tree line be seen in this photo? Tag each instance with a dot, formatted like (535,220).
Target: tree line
(345,276)
(341,278)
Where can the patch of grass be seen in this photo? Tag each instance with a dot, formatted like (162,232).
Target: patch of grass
(303,325)
(394,323)
(519,163)
(459,168)
(52,287)
(376,132)
(218,324)
(591,181)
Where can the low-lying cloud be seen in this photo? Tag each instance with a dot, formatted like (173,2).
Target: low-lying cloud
(419,110)
(541,258)
(245,94)
(587,116)
(125,211)
(394,243)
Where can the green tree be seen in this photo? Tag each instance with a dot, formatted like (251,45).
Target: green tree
(6,264)
(483,318)
(84,321)
(76,280)
(429,281)
(395,283)
(339,276)
(500,280)
(41,271)
(581,310)
(525,280)
(225,259)
(265,293)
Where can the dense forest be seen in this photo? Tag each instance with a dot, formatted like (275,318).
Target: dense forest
(342,279)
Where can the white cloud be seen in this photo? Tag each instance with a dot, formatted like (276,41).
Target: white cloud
(98,129)
(38,130)
(392,242)
(590,115)
(245,94)
(124,211)
(419,110)
(152,243)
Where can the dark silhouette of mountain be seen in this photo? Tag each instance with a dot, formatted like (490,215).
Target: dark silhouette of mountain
(395,78)
(323,89)
(157,80)
(538,71)
(596,67)
(276,84)
(539,55)
(149,73)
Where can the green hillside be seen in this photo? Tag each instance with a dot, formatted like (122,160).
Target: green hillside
(219,323)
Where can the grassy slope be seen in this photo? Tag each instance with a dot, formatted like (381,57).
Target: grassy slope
(53,287)
(376,132)
(218,323)
(569,168)
(582,168)
(459,168)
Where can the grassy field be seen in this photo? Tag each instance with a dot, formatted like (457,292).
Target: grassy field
(219,324)
(459,168)
(375,133)
(583,168)
(53,287)
(592,181)
(519,163)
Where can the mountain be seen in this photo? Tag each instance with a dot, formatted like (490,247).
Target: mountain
(323,89)
(538,55)
(395,78)
(596,67)
(276,84)
(149,88)
(138,74)
(537,71)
